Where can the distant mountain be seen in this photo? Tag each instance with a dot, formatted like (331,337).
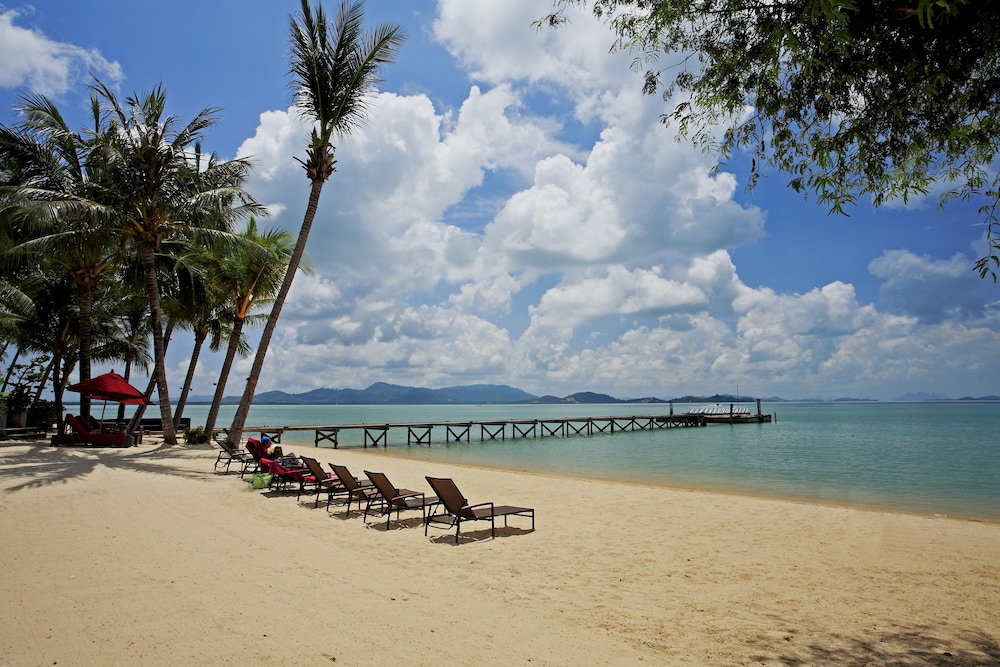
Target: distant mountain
(547,399)
(590,397)
(488,393)
(383,393)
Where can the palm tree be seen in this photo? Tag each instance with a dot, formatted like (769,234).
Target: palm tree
(164,190)
(200,306)
(336,71)
(135,335)
(250,280)
(58,218)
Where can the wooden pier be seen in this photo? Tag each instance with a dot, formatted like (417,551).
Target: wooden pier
(420,433)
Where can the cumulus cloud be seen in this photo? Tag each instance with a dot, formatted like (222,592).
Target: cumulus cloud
(619,292)
(46,66)
(928,289)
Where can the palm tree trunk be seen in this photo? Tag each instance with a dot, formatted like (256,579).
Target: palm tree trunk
(86,307)
(227,367)
(199,340)
(240,418)
(141,410)
(44,380)
(127,374)
(159,364)
(10,369)
(58,383)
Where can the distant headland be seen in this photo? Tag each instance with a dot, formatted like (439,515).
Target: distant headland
(382,393)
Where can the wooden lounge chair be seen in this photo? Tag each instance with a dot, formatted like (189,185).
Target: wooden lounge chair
(457,509)
(319,481)
(390,498)
(227,456)
(356,490)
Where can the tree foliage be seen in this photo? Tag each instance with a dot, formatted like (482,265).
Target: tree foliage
(885,99)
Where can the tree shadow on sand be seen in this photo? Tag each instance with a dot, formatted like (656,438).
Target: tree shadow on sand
(41,465)
(920,646)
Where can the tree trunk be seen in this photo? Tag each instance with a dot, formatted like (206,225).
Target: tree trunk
(10,369)
(85,324)
(159,364)
(240,418)
(199,340)
(45,378)
(57,392)
(127,375)
(141,409)
(227,367)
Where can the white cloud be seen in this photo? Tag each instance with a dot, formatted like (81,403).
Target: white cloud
(619,292)
(46,66)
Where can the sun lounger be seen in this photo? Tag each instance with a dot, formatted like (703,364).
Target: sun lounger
(83,435)
(457,509)
(257,450)
(227,456)
(389,498)
(318,481)
(282,475)
(356,490)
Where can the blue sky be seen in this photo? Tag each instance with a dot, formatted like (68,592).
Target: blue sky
(513,213)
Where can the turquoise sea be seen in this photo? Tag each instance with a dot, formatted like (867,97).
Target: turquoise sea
(934,458)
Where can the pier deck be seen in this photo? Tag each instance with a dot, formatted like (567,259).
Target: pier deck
(420,433)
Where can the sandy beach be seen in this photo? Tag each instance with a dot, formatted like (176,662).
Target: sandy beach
(143,556)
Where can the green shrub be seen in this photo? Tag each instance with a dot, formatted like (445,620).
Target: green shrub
(195,436)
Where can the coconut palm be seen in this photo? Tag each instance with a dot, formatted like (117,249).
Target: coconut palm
(165,190)
(250,279)
(134,335)
(196,311)
(57,216)
(336,70)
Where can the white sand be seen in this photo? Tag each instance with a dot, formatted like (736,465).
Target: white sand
(143,557)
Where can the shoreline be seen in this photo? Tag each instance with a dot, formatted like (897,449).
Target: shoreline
(693,488)
(328,452)
(142,555)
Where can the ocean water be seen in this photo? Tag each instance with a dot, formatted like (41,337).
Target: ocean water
(934,458)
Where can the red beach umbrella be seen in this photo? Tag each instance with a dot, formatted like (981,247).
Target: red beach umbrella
(111,387)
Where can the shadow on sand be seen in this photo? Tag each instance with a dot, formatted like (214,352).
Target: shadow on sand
(37,465)
(898,647)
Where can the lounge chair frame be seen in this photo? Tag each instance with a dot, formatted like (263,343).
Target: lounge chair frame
(227,456)
(356,490)
(390,498)
(319,481)
(457,509)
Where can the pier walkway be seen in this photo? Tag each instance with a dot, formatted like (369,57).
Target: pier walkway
(420,433)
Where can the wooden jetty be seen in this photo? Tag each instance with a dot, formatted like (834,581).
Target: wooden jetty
(420,433)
